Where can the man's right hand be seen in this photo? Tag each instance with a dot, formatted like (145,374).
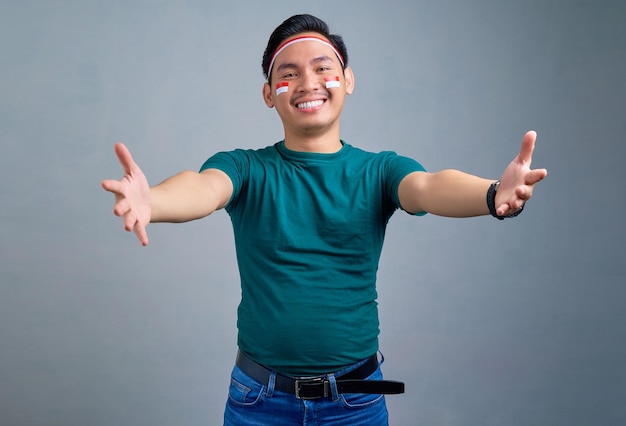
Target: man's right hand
(132,195)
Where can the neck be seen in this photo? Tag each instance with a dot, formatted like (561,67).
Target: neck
(324,143)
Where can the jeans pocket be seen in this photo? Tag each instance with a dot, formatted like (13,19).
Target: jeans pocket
(363,400)
(243,390)
(360,400)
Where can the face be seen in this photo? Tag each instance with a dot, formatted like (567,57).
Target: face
(308,106)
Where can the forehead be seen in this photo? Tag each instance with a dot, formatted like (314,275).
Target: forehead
(307,44)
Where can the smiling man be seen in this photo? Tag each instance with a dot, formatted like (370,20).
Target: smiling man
(309,109)
(309,215)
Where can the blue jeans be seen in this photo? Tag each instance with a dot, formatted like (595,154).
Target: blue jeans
(251,403)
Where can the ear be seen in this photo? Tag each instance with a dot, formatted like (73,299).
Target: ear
(348,76)
(267,95)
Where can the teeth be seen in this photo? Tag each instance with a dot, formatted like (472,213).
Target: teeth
(311,104)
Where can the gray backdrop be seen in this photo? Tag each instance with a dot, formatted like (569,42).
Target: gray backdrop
(489,323)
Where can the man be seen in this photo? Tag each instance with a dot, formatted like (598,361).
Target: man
(309,216)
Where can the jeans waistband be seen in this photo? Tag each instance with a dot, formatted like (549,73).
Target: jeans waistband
(352,381)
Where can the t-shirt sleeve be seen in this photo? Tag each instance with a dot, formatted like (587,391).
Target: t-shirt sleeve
(234,164)
(398,167)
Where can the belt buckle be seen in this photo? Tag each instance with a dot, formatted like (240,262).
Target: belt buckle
(322,381)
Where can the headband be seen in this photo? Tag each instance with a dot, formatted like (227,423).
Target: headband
(288,43)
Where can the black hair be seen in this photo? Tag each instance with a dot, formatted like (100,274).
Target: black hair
(299,24)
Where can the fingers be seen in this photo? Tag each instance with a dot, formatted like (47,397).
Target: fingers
(528,146)
(510,208)
(523,193)
(113,186)
(124,157)
(534,176)
(502,209)
(121,208)
(518,180)
(141,233)
(516,204)
(131,223)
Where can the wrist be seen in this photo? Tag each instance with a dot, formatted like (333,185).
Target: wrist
(491,202)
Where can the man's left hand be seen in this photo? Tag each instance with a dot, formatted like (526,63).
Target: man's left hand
(518,180)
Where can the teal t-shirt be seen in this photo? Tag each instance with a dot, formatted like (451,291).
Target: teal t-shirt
(309,231)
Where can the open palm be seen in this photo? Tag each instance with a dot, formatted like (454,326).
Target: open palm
(132,195)
(518,179)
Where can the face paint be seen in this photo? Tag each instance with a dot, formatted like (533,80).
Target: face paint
(332,82)
(282,88)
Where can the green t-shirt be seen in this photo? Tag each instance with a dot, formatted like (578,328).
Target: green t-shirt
(309,231)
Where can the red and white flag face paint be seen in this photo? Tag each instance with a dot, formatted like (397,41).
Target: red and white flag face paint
(282,88)
(332,82)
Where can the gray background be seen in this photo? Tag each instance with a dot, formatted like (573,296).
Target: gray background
(489,323)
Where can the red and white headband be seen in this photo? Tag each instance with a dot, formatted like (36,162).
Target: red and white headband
(289,42)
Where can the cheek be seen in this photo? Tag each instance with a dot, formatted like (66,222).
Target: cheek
(281,105)
(281,88)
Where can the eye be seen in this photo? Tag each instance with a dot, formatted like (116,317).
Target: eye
(289,75)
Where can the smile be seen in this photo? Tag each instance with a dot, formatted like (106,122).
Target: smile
(310,104)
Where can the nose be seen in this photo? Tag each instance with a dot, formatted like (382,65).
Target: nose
(309,82)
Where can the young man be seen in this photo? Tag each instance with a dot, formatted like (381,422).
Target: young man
(309,216)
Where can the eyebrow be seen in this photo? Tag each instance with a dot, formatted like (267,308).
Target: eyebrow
(321,59)
(315,60)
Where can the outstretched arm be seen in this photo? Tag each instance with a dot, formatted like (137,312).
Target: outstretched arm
(457,194)
(180,198)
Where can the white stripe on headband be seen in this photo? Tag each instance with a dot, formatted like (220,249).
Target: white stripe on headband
(297,40)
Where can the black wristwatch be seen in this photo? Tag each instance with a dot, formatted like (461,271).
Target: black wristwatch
(491,202)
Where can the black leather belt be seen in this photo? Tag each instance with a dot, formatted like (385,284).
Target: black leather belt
(319,387)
